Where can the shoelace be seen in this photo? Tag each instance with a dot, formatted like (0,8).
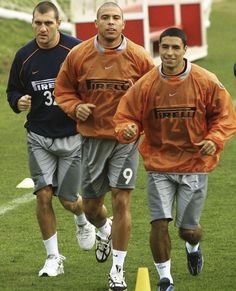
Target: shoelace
(60,257)
(52,258)
(117,279)
(84,230)
(118,275)
(105,243)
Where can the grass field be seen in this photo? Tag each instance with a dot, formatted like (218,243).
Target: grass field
(21,251)
(28,5)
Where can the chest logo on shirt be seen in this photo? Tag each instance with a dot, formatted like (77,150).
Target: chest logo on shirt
(35,72)
(42,85)
(172,94)
(107,68)
(104,84)
(177,112)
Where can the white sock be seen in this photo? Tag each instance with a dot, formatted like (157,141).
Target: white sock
(81,219)
(51,245)
(118,258)
(105,230)
(191,248)
(163,270)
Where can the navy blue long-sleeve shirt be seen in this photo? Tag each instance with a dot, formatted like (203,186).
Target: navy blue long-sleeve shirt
(33,72)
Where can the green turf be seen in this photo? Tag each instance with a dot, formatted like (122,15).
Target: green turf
(28,5)
(21,250)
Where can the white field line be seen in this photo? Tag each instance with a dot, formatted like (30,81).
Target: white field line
(16,202)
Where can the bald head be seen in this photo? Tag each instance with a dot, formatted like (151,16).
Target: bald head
(108,4)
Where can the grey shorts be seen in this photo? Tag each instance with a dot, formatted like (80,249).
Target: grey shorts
(188,191)
(55,162)
(106,163)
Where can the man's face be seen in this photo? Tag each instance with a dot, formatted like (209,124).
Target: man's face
(110,23)
(45,27)
(172,52)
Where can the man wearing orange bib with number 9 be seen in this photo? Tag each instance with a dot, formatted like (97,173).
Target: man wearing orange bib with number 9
(89,87)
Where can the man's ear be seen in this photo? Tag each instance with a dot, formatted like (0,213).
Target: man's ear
(58,22)
(123,25)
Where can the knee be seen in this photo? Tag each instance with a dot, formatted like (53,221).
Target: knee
(192,236)
(121,201)
(44,197)
(91,208)
(160,227)
(68,205)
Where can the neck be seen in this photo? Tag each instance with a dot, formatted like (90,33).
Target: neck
(174,71)
(109,44)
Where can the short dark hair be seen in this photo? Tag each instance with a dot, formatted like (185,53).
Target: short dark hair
(174,31)
(45,6)
(114,4)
